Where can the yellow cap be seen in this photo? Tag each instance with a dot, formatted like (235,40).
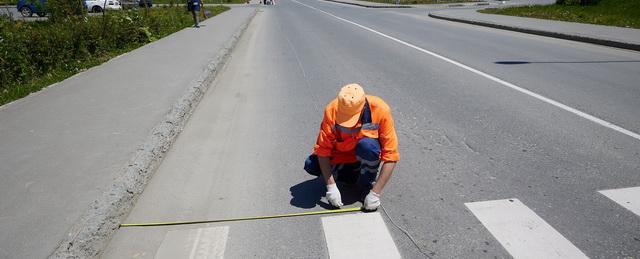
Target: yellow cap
(351,100)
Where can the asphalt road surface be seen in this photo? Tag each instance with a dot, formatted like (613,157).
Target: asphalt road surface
(467,132)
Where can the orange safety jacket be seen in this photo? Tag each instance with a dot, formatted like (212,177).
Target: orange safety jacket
(339,142)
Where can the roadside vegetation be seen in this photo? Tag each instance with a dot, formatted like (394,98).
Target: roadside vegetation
(34,55)
(8,2)
(181,2)
(621,13)
(409,2)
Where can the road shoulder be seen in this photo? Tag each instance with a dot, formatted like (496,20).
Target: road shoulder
(90,234)
(625,38)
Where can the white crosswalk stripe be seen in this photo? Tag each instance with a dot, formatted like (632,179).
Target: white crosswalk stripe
(196,243)
(521,231)
(361,235)
(626,197)
(515,226)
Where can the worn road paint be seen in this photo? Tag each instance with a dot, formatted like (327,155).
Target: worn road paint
(196,243)
(362,235)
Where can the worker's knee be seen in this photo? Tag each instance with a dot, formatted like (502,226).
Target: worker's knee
(368,149)
(312,166)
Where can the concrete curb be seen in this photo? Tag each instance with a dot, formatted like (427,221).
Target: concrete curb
(90,235)
(573,37)
(370,6)
(467,4)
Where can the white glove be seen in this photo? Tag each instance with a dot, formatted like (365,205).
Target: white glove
(333,195)
(372,201)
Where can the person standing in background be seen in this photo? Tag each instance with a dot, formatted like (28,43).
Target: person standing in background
(194,7)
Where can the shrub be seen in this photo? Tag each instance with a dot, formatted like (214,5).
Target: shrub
(64,9)
(30,51)
(577,2)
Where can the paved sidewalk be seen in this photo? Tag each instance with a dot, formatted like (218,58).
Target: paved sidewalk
(62,148)
(598,34)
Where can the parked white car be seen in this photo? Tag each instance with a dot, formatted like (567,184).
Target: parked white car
(97,5)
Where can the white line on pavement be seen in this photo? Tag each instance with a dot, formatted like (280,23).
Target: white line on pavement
(194,243)
(493,78)
(626,197)
(521,231)
(362,235)
(194,248)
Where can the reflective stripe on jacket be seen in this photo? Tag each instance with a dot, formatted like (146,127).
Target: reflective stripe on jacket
(339,142)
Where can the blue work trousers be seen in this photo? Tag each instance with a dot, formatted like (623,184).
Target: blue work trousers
(364,172)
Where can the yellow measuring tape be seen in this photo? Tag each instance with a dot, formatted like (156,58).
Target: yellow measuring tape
(240,219)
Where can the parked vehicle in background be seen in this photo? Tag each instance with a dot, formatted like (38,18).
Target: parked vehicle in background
(96,6)
(28,7)
(128,4)
(145,3)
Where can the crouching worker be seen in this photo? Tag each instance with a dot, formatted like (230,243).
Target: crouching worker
(356,135)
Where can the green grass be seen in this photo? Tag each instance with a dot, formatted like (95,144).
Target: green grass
(20,90)
(621,13)
(14,2)
(410,2)
(8,2)
(40,74)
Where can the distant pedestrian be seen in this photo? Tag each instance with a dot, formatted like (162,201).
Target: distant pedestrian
(194,7)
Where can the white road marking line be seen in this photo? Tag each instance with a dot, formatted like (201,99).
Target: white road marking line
(493,78)
(194,243)
(626,197)
(521,231)
(192,254)
(362,235)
